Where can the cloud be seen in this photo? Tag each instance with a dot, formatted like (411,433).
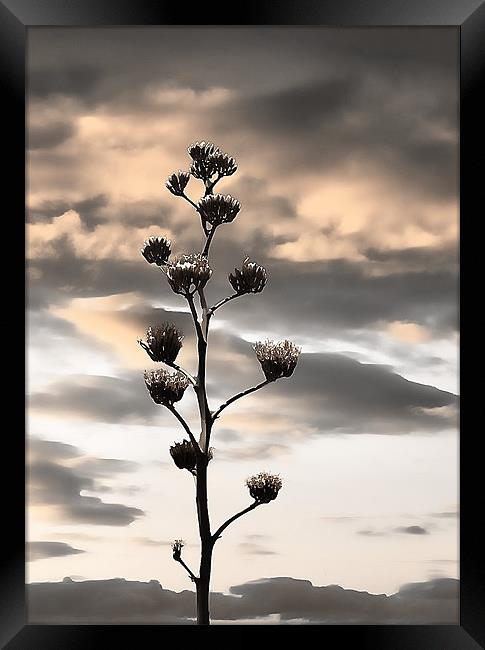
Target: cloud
(104,399)
(121,601)
(412,530)
(90,209)
(148,541)
(57,476)
(256,545)
(42,550)
(339,394)
(78,79)
(72,261)
(452,512)
(329,393)
(367,532)
(351,119)
(407,530)
(46,136)
(104,241)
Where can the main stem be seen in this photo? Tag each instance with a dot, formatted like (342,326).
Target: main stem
(206,544)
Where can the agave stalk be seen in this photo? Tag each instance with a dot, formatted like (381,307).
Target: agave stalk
(187,276)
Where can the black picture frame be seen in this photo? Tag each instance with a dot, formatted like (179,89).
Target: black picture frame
(468,16)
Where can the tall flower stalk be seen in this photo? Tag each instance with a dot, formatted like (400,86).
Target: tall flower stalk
(187,276)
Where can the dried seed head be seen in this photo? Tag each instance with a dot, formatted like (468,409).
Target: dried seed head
(177,546)
(184,456)
(188,273)
(203,166)
(224,165)
(203,169)
(177,182)
(250,278)
(264,487)
(156,250)
(165,387)
(217,208)
(202,150)
(277,359)
(163,342)
(209,160)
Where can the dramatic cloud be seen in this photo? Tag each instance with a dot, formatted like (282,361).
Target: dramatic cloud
(42,550)
(72,261)
(329,392)
(58,474)
(118,600)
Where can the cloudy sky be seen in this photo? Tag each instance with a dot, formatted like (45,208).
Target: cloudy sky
(346,142)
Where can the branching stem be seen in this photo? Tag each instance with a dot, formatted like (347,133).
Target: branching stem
(210,235)
(194,205)
(243,393)
(193,577)
(182,421)
(184,372)
(195,317)
(223,302)
(222,528)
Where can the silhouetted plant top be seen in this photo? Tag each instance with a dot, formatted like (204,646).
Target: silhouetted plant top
(163,342)
(165,387)
(277,359)
(264,487)
(250,278)
(218,208)
(187,274)
(156,250)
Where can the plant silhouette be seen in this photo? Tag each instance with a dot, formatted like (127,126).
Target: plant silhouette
(187,275)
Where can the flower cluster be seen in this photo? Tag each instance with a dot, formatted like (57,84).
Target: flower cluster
(224,165)
(156,250)
(217,208)
(209,160)
(184,456)
(177,182)
(165,387)
(264,487)
(163,342)
(177,546)
(188,273)
(277,359)
(250,278)
(202,150)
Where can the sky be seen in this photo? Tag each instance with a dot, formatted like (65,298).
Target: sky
(347,145)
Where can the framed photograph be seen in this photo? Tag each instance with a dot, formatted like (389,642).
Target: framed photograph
(242,247)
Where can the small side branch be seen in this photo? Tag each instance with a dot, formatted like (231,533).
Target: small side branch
(178,559)
(222,302)
(194,442)
(238,396)
(210,235)
(175,366)
(196,208)
(194,205)
(210,186)
(193,311)
(227,523)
